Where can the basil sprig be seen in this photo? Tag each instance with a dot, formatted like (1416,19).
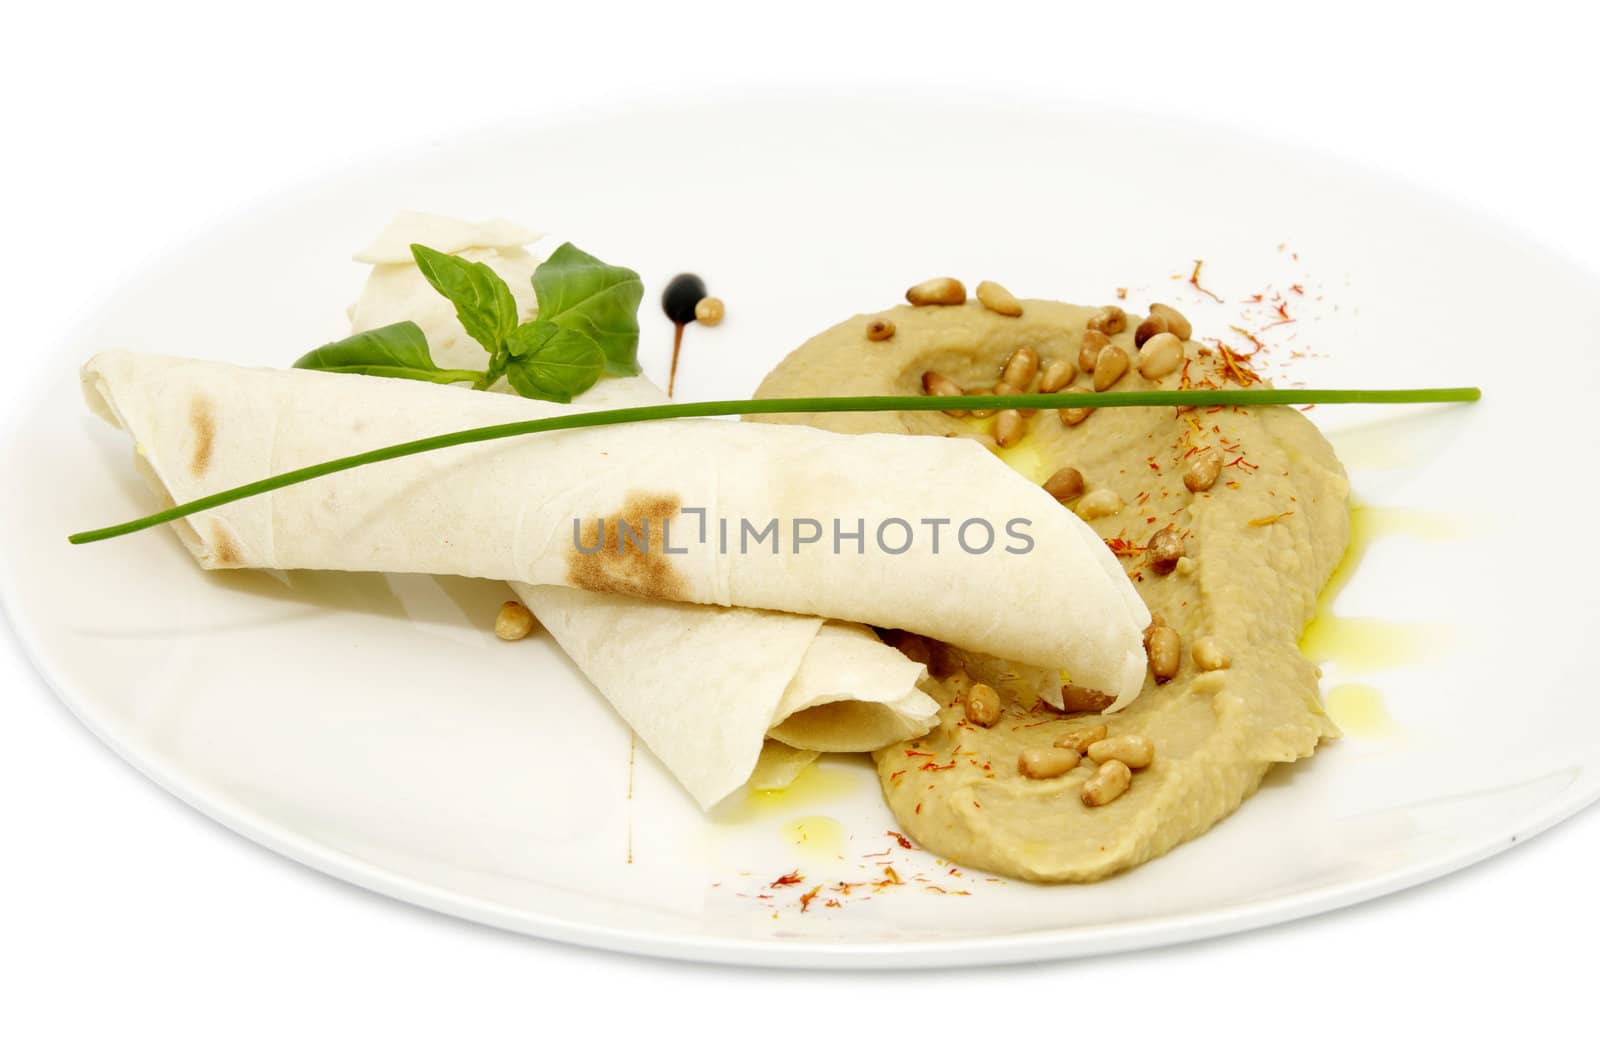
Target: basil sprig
(577,291)
(546,361)
(399,350)
(484,305)
(587,324)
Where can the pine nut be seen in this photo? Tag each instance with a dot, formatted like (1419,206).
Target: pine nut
(1058,373)
(1163,551)
(980,391)
(513,622)
(1203,471)
(1165,647)
(1080,740)
(1177,324)
(1101,502)
(879,329)
(1074,416)
(1047,763)
(1110,320)
(912,645)
(1008,428)
(709,310)
(1160,355)
(938,384)
(940,291)
(1089,349)
(1209,655)
(1109,782)
(1136,751)
(1065,484)
(983,705)
(1020,367)
(1082,699)
(996,298)
(1163,318)
(1109,365)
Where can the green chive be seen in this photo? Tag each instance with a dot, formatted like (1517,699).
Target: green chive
(848,404)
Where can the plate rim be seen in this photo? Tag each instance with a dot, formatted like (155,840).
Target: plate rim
(974,949)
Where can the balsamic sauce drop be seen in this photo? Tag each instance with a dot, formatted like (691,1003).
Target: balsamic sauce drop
(678,301)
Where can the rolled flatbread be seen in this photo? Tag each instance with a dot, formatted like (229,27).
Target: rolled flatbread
(712,512)
(702,685)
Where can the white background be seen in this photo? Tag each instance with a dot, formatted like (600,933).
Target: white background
(129,920)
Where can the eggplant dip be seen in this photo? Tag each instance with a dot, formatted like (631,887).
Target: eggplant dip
(1227,520)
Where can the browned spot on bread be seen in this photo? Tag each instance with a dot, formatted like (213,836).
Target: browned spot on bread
(225,549)
(204,424)
(636,565)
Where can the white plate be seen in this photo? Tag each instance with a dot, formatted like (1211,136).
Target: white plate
(372,727)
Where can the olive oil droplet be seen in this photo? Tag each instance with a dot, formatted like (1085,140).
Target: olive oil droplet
(821,836)
(1359,711)
(815,786)
(1026,458)
(1361,644)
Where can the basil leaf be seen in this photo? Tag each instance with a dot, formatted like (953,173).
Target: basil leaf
(484,305)
(583,294)
(397,350)
(552,363)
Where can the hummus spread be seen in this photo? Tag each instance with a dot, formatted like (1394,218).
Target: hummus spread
(1258,545)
